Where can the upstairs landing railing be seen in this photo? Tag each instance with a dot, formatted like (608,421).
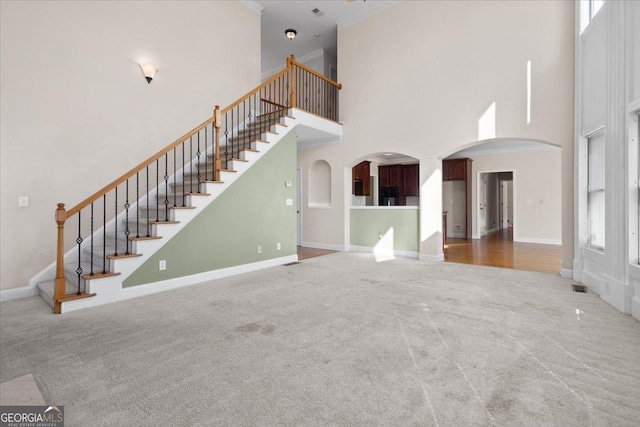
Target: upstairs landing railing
(125,210)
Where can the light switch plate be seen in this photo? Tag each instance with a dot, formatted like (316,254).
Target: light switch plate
(23,201)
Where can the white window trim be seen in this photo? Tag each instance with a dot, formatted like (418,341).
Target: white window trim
(634,197)
(584,191)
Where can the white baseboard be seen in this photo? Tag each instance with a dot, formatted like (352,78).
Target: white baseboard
(431,258)
(405,254)
(457,235)
(491,231)
(179,282)
(567,273)
(538,241)
(339,248)
(617,293)
(17,293)
(635,307)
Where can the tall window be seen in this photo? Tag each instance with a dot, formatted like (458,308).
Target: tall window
(588,9)
(595,199)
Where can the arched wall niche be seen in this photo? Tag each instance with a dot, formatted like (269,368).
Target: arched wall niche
(319,188)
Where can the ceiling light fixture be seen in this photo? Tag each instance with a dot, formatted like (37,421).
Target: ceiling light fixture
(291,34)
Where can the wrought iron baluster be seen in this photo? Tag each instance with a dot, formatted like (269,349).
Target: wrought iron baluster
(126,220)
(198,164)
(138,204)
(157,190)
(148,234)
(166,187)
(191,164)
(226,136)
(183,168)
(175,177)
(116,223)
(206,154)
(104,233)
(91,269)
(79,242)
(237,134)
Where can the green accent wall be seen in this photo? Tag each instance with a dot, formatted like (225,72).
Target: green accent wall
(368,224)
(251,212)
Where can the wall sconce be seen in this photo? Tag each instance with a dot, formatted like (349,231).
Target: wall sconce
(149,71)
(291,34)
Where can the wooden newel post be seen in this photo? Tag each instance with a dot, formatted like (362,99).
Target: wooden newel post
(59,287)
(217,122)
(292,81)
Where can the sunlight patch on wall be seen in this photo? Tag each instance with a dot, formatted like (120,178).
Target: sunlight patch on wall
(383,250)
(528,92)
(431,224)
(487,124)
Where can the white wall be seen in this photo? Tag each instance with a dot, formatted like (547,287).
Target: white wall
(76,112)
(537,193)
(418,76)
(608,96)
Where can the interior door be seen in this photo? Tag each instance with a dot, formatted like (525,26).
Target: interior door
(504,204)
(482,205)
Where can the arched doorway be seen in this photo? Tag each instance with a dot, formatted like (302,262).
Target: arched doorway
(514,204)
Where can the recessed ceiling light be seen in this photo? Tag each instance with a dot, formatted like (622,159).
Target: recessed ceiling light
(317,35)
(317,12)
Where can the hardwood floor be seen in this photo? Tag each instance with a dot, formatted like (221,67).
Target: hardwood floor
(305,253)
(499,250)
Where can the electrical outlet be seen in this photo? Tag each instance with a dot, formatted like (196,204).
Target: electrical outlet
(23,201)
(288,202)
(278,246)
(259,249)
(458,227)
(162,265)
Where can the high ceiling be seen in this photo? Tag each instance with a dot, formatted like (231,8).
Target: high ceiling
(277,16)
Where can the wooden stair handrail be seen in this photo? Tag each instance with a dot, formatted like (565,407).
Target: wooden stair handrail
(266,101)
(315,73)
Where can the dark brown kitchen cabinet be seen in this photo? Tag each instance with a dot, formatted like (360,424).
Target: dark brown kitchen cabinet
(389,176)
(410,180)
(455,169)
(396,182)
(361,184)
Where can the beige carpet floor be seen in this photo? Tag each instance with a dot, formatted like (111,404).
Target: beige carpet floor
(338,340)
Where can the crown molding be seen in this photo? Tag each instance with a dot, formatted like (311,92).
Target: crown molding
(311,55)
(380,6)
(254,6)
(303,59)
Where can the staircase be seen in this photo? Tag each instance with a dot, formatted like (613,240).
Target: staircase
(108,236)
(112,247)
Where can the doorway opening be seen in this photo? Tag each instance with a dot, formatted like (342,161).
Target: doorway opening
(496,204)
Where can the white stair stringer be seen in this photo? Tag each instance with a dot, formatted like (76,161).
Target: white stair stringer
(109,289)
